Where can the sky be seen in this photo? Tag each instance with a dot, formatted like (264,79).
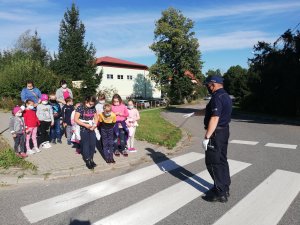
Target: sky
(227,30)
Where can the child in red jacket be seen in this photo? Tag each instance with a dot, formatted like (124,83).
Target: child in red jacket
(31,123)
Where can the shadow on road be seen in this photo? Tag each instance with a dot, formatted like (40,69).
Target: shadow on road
(242,117)
(181,173)
(198,112)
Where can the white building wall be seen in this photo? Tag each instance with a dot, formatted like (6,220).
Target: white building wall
(126,87)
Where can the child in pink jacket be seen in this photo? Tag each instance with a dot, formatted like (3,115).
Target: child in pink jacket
(120,128)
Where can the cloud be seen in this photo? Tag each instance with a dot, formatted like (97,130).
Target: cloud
(233,40)
(129,51)
(253,8)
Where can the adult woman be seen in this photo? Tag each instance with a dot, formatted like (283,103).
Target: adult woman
(31,93)
(120,129)
(63,92)
(86,118)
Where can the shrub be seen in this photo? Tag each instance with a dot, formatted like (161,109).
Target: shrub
(19,69)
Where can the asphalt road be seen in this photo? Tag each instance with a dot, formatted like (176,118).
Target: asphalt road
(265,185)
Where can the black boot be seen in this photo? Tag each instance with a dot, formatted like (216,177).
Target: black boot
(93,163)
(89,164)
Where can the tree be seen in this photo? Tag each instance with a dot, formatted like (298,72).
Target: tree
(274,76)
(75,59)
(16,71)
(177,51)
(31,45)
(211,72)
(235,82)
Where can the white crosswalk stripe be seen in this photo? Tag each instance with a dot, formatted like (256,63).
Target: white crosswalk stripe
(243,142)
(276,145)
(50,207)
(267,203)
(167,201)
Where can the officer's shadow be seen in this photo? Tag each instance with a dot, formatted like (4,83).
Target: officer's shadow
(168,165)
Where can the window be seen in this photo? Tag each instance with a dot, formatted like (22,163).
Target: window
(129,77)
(120,77)
(110,76)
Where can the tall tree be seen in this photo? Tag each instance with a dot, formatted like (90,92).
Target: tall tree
(75,59)
(177,51)
(212,72)
(235,82)
(274,75)
(32,46)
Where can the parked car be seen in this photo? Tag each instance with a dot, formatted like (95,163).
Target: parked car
(158,102)
(142,103)
(207,97)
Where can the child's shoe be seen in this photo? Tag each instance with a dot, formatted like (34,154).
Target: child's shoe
(30,152)
(132,150)
(53,141)
(69,142)
(23,155)
(59,141)
(46,145)
(36,149)
(125,153)
(18,154)
(117,153)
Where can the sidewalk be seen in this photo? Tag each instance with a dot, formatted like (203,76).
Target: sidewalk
(60,161)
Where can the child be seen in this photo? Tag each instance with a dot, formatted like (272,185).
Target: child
(17,129)
(55,133)
(75,131)
(44,113)
(83,115)
(100,104)
(131,122)
(120,129)
(67,110)
(31,123)
(107,121)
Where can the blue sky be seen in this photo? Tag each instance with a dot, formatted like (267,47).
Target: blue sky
(226,29)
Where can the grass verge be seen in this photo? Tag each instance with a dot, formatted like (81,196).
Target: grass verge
(156,130)
(8,157)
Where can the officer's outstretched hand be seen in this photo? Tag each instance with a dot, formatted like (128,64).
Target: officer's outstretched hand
(205,143)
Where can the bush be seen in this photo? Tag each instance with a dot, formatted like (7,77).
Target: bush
(19,69)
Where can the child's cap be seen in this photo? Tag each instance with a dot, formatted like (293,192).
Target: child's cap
(16,109)
(44,97)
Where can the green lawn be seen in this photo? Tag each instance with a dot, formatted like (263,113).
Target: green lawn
(8,158)
(154,129)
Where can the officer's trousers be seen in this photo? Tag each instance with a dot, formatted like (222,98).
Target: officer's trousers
(216,159)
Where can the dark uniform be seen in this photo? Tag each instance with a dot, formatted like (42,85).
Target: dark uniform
(216,155)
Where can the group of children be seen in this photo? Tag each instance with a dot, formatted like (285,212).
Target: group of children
(115,122)
(32,122)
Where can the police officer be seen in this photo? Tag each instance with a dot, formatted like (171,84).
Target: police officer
(216,122)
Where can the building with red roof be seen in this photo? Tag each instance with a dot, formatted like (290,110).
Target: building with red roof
(130,79)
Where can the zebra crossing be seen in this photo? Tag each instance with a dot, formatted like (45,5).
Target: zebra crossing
(265,204)
(273,145)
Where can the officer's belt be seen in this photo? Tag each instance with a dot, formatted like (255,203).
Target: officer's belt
(221,128)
